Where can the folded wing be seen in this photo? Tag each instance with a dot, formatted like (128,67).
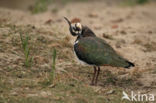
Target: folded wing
(96,51)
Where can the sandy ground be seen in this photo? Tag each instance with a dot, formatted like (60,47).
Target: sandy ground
(130,30)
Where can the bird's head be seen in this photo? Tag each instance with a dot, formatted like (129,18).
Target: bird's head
(79,30)
(74,29)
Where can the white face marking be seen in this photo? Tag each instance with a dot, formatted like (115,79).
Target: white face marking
(76,41)
(78,25)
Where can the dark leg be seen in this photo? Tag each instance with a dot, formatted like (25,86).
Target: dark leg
(98,72)
(92,83)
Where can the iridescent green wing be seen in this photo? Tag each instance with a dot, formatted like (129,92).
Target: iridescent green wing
(96,51)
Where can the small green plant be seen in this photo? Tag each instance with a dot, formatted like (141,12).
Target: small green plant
(40,6)
(52,74)
(135,2)
(111,78)
(28,59)
(141,1)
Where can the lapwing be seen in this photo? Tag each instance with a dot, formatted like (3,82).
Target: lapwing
(95,51)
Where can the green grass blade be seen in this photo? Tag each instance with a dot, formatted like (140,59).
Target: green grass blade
(52,76)
(26,50)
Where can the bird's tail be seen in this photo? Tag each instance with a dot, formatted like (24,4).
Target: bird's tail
(130,64)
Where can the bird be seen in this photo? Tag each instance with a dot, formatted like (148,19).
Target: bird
(95,51)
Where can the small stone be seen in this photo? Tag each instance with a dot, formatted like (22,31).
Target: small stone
(14,93)
(98,27)
(110,92)
(117,20)
(107,36)
(123,32)
(93,15)
(150,32)
(114,26)
(45,94)
(117,46)
(52,85)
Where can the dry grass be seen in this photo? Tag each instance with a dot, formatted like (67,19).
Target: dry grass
(148,45)
(18,84)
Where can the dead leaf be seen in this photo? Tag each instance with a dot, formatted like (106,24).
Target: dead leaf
(49,21)
(93,15)
(123,32)
(117,20)
(114,26)
(107,36)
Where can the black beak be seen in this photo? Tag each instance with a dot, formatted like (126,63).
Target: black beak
(68,21)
